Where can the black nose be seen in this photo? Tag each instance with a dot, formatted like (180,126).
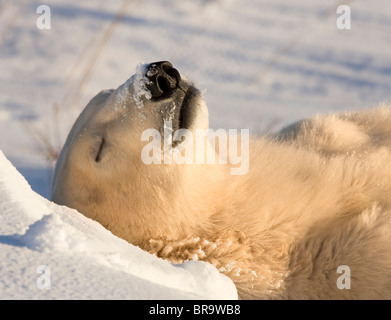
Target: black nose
(164,79)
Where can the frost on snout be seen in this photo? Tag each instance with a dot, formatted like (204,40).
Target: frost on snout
(157,93)
(155,81)
(138,82)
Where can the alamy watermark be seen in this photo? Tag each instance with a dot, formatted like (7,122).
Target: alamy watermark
(43,280)
(343,281)
(200,149)
(344,20)
(44,20)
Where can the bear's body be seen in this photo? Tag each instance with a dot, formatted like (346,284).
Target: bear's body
(314,205)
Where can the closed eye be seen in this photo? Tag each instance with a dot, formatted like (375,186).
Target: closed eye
(98,156)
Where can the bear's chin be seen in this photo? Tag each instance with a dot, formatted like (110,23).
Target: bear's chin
(187,114)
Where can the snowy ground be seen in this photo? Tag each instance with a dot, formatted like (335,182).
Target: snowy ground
(261,63)
(85,260)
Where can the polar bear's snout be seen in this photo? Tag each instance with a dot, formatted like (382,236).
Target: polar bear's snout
(163,79)
(170,98)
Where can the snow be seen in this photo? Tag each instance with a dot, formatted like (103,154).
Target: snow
(139,82)
(57,237)
(262,64)
(140,85)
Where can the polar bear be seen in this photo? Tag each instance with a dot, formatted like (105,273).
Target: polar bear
(309,220)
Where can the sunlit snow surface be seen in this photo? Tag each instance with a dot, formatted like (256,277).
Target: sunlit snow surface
(261,63)
(86,261)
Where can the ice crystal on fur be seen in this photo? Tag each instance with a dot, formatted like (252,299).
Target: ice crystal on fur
(139,82)
(140,86)
(122,95)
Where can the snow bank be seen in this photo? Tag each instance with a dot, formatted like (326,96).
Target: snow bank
(86,261)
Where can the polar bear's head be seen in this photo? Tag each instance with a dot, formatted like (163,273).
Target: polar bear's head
(100,171)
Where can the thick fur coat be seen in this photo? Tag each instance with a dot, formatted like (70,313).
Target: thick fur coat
(317,196)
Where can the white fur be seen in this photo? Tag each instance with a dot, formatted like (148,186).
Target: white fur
(317,196)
